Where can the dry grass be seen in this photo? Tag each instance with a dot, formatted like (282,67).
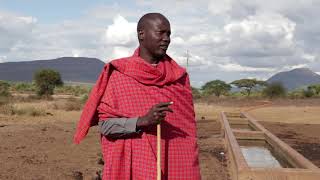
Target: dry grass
(13,109)
(70,104)
(288,114)
(304,112)
(212,111)
(288,111)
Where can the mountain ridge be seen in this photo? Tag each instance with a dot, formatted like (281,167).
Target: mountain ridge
(74,69)
(296,78)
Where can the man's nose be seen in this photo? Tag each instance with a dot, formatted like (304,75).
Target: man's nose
(166,38)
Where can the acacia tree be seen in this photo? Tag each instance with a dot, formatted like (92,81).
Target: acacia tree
(216,87)
(46,80)
(248,84)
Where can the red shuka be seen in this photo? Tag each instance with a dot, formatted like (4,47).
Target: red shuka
(129,87)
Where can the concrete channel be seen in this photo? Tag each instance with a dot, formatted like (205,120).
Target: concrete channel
(257,154)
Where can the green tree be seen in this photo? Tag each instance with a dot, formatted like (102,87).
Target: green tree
(248,84)
(46,80)
(275,89)
(216,87)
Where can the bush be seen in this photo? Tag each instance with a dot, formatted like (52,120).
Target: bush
(4,88)
(296,94)
(46,80)
(308,93)
(84,98)
(72,90)
(23,87)
(275,89)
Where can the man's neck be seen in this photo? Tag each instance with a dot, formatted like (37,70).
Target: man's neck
(147,57)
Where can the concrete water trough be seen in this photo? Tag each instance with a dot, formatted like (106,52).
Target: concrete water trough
(256,154)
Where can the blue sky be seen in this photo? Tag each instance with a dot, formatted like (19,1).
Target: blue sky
(226,39)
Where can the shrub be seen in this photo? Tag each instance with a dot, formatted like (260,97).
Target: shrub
(296,94)
(46,80)
(23,87)
(4,88)
(275,89)
(72,90)
(308,93)
(84,98)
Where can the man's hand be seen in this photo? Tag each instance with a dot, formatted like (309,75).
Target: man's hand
(155,115)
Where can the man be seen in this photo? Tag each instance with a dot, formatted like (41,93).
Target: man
(134,94)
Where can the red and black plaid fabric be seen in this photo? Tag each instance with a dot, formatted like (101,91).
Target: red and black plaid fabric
(129,87)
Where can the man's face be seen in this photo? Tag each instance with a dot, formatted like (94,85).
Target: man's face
(156,37)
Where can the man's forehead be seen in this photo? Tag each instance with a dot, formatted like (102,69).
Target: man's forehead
(157,23)
(153,20)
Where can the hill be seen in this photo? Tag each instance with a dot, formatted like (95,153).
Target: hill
(296,78)
(72,69)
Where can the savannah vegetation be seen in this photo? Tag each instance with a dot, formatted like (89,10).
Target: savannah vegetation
(252,88)
(48,85)
(45,94)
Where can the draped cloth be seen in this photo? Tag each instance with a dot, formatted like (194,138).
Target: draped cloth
(129,87)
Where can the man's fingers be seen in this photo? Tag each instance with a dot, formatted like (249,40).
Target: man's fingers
(164,109)
(163,104)
(159,114)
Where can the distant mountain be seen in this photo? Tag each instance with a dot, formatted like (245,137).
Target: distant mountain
(74,69)
(296,78)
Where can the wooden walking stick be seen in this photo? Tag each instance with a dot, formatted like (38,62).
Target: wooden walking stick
(158,152)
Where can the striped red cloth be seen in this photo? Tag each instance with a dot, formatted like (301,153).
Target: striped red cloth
(129,87)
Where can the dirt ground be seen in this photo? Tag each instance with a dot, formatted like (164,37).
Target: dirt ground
(41,147)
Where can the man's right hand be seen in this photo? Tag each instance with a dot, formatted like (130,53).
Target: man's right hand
(155,115)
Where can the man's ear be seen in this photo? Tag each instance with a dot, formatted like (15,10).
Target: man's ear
(140,35)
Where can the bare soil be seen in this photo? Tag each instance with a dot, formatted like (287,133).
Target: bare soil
(41,147)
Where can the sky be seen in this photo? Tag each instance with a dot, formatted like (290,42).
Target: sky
(223,39)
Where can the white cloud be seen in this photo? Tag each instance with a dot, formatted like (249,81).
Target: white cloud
(309,57)
(227,39)
(178,41)
(15,31)
(286,68)
(217,7)
(261,35)
(3,59)
(120,51)
(121,32)
(239,68)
